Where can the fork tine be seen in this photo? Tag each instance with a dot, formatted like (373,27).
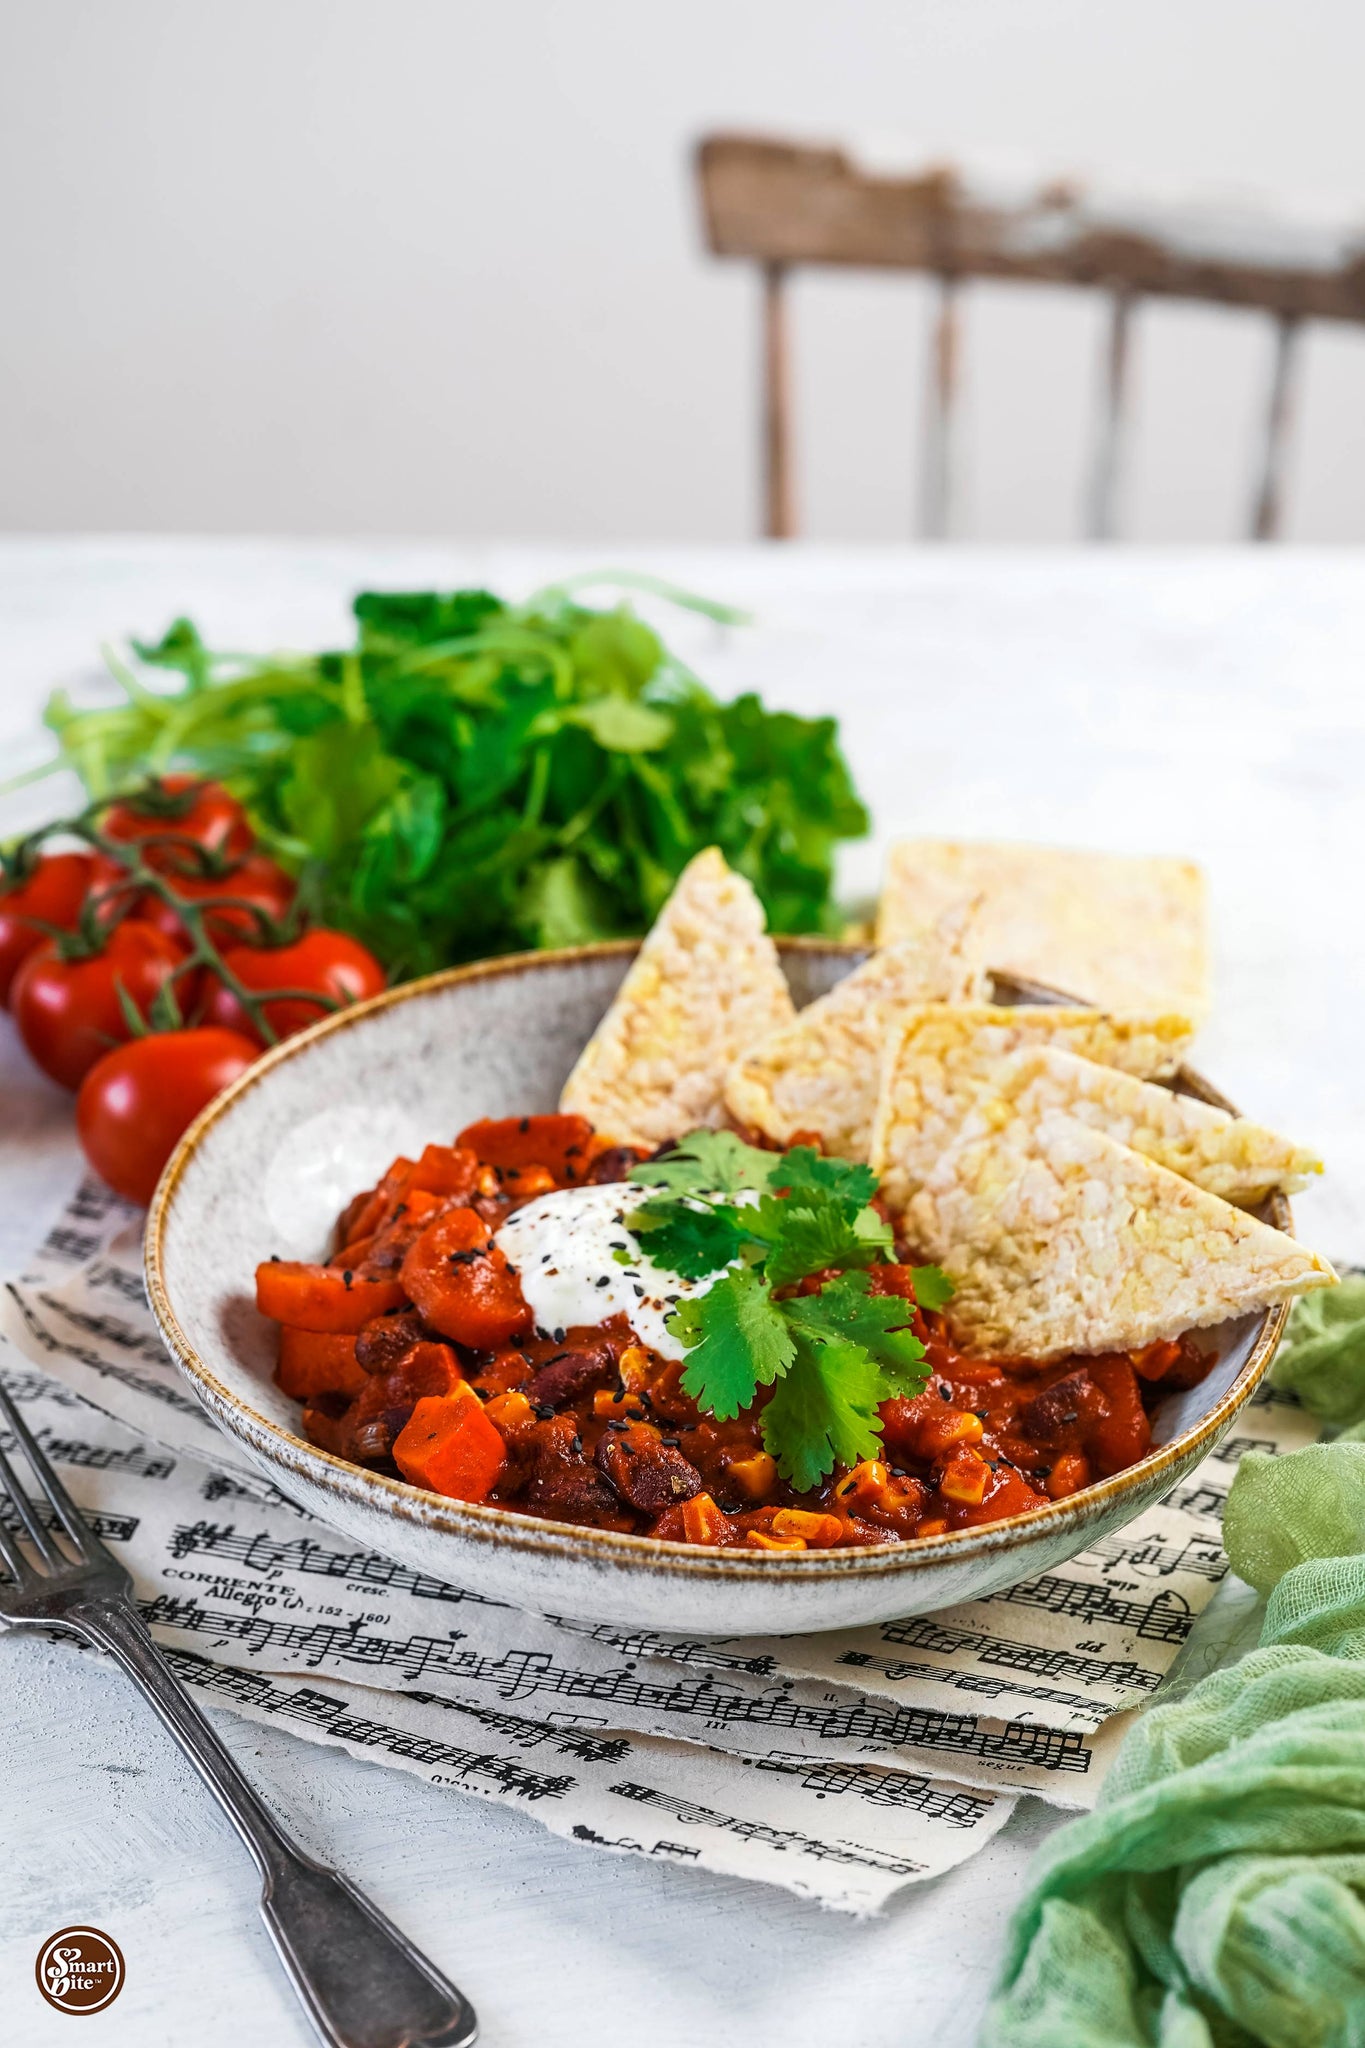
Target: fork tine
(23,1507)
(70,1516)
(20,1570)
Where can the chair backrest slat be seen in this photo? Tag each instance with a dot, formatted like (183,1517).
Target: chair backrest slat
(782,204)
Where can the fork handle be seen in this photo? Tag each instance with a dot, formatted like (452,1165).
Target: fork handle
(362,1983)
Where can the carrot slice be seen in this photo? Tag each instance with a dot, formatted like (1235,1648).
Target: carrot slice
(449,1445)
(463,1284)
(560,1142)
(333,1300)
(313,1362)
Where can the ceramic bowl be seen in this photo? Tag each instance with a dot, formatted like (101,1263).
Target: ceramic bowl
(268,1165)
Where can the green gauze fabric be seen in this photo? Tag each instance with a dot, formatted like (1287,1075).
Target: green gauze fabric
(1216,1896)
(1322,1359)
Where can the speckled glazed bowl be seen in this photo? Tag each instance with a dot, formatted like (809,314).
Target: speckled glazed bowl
(266,1168)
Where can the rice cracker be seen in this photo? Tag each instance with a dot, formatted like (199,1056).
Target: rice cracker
(1059,1239)
(820,1073)
(1223,1154)
(936,1055)
(1123,932)
(706,984)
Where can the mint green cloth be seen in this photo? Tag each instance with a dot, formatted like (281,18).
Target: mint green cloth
(1216,1896)
(1322,1359)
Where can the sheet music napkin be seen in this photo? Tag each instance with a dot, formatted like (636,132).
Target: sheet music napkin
(841,1766)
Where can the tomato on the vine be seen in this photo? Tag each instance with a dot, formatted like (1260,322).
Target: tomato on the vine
(51,893)
(68,1009)
(331,962)
(209,817)
(137,1102)
(254,879)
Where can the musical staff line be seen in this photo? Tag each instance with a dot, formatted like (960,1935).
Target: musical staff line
(345,1724)
(527,1674)
(929,1632)
(693,1815)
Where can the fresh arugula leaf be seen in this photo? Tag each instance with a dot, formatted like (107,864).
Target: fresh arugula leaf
(933,1288)
(823,1413)
(803,1169)
(711,1162)
(737,1341)
(687,1238)
(845,1312)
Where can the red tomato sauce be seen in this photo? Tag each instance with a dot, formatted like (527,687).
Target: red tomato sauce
(414,1353)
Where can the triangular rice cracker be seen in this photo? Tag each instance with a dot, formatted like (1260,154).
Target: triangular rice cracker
(821,1073)
(1059,1239)
(1121,931)
(705,984)
(935,1055)
(1225,1155)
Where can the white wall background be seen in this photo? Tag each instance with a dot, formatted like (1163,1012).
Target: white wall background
(434,266)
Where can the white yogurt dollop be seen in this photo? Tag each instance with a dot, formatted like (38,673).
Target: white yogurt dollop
(566,1247)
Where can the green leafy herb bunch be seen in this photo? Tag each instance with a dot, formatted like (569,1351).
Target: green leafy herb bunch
(473,777)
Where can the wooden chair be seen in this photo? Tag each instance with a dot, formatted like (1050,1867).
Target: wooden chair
(781,204)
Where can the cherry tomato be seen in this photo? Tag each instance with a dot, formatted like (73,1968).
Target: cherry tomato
(68,1011)
(52,892)
(213,819)
(331,962)
(253,880)
(137,1101)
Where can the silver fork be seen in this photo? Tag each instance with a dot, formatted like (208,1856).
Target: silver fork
(362,1983)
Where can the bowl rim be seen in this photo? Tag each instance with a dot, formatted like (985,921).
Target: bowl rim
(510,1529)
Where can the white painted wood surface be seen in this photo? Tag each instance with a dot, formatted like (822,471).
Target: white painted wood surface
(1210,704)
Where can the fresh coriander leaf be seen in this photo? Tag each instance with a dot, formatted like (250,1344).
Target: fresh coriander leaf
(623,726)
(806,1234)
(708,1161)
(804,1168)
(686,1238)
(933,1288)
(824,1412)
(845,1312)
(737,1341)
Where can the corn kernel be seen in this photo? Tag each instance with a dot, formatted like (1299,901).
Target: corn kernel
(868,1477)
(753,1476)
(818,1530)
(703,1521)
(760,1540)
(634,1368)
(617,1407)
(509,1411)
(964,1480)
(955,1426)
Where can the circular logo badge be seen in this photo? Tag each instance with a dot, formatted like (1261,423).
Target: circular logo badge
(79,1970)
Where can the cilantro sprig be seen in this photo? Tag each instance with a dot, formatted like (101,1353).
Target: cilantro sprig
(764,1221)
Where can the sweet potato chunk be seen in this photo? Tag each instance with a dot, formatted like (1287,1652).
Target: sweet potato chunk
(312,1362)
(463,1284)
(450,1446)
(333,1300)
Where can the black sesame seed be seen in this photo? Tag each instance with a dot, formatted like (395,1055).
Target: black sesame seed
(524,1125)
(639,1291)
(347,1277)
(545,1410)
(605,1281)
(559,1336)
(576,1446)
(672,1441)
(618,1426)
(945,1393)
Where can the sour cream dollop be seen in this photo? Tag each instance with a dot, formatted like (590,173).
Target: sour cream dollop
(578,1263)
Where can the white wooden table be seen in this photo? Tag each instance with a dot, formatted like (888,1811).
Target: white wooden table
(1209,704)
